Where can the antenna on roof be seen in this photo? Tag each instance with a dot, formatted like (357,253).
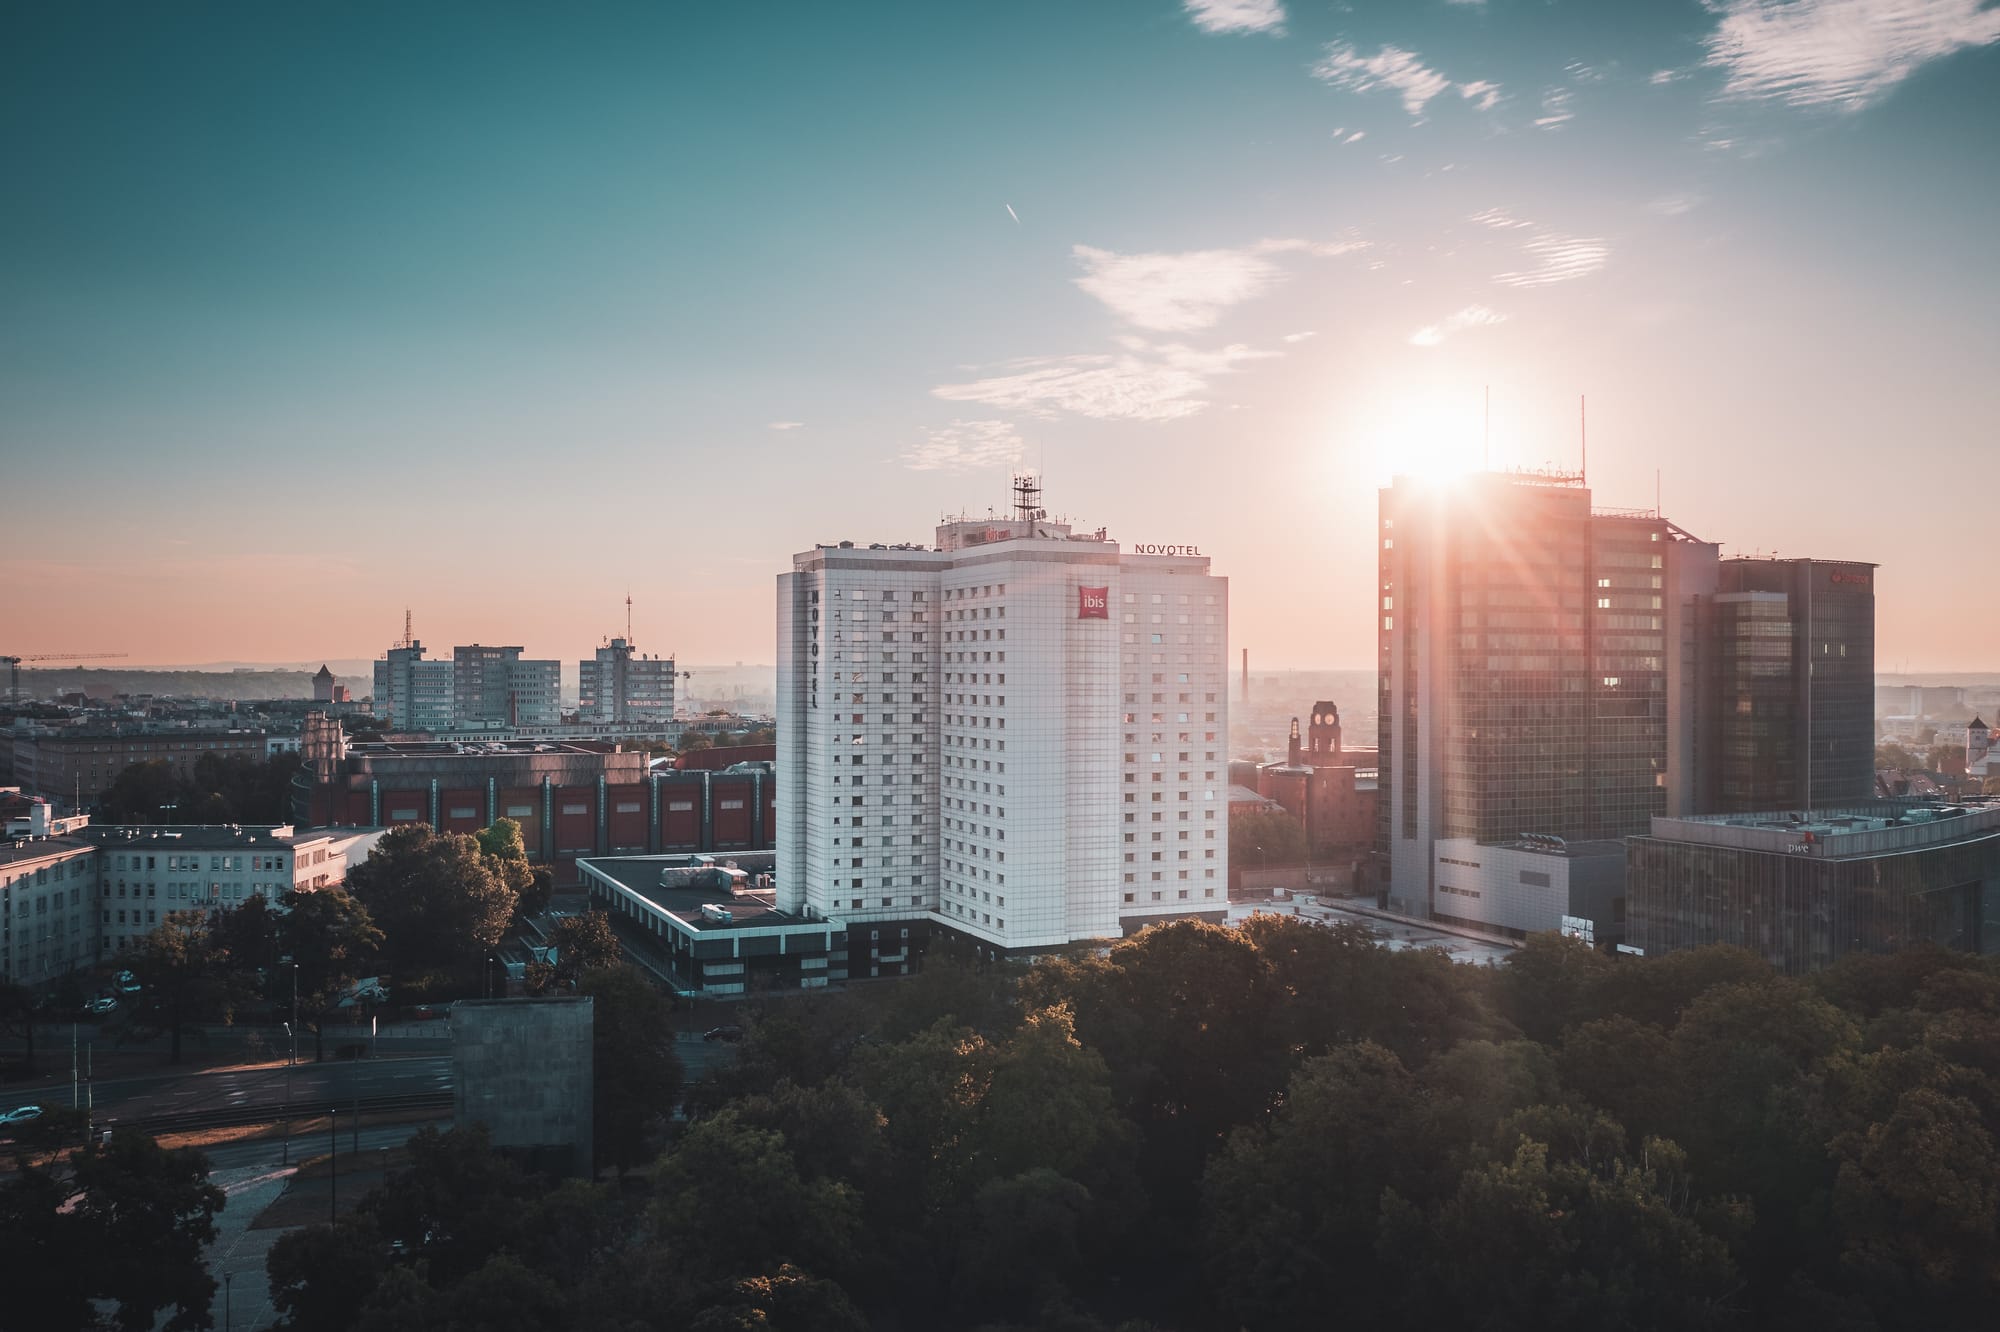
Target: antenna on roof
(407,638)
(1583,439)
(628,615)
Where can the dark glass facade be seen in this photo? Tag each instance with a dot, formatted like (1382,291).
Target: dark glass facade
(1803,912)
(1791,676)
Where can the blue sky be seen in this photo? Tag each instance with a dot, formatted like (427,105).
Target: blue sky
(312,312)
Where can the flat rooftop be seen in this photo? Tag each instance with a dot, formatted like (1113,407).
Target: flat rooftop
(641,876)
(1869,828)
(454,748)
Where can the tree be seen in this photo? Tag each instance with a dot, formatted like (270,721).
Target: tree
(1544,1243)
(320,1276)
(501,840)
(332,940)
(584,943)
(635,1073)
(155,1210)
(1265,837)
(1550,983)
(729,1198)
(187,977)
(17,1019)
(437,898)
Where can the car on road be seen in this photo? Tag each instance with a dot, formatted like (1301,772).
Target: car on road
(128,983)
(730,1034)
(21,1115)
(100,1006)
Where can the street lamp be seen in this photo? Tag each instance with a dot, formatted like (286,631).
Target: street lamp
(287,1160)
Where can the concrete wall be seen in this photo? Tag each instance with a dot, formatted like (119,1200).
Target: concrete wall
(522,1067)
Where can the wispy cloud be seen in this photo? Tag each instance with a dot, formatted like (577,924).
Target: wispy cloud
(1480,92)
(786,425)
(1661,77)
(1178,293)
(965,445)
(1302,336)
(1344,67)
(1838,53)
(1558,257)
(1144,382)
(1674,205)
(1237,15)
(1555,108)
(1472,316)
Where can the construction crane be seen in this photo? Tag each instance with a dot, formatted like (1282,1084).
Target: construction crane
(14,666)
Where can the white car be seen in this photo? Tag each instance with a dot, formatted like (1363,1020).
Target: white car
(127,983)
(22,1114)
(99,1007)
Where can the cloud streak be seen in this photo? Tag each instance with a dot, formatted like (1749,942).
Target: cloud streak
(1844,54)
(1472,316)
(1179,293)
(1344,67)
(1143,382)
(1558,257)
(1237,15)
(964,446)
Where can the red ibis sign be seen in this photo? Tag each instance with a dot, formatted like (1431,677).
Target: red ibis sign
(1093,603)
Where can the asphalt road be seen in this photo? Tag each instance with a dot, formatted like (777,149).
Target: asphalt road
(194,1091)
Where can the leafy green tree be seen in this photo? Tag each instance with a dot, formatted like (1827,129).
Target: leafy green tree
(1265,838)
(1551,983)
(18,1018)
(1531,1242)
(332,939)
(501,839)
(187,977)
(155,1210)
(729,1198)
(635,1072)
(455,1205)
(584,943)
(436,897)
(322,1275)
(140,793)
(1291,1206)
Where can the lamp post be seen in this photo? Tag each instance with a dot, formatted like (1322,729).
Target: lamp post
(228,1311)
(287,1158)
(333,1164)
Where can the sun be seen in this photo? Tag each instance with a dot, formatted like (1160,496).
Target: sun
(1428,440)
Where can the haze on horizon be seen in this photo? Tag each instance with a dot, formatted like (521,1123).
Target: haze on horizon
(497,313)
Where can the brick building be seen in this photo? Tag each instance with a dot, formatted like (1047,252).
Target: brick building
(571,799)
(80,763)
(1329,791)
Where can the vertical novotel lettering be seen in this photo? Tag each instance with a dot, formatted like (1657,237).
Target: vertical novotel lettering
(1093,603)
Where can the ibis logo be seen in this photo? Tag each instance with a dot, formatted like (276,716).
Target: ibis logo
(1093,603)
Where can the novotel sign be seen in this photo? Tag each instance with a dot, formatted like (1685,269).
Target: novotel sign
(1156,548)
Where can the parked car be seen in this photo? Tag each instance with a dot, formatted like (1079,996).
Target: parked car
(730,1034)
(100,1006)
(21,1115)
(128,983)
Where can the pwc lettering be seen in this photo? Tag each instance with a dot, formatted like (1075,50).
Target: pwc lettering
(1857,579)
(1093,603)
(1155,548)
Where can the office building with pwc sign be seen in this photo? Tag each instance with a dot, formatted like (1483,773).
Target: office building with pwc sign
(1016,734)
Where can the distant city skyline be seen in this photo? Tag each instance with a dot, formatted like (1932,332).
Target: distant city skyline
(500,314)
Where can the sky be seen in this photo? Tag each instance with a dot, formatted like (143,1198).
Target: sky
(311,313)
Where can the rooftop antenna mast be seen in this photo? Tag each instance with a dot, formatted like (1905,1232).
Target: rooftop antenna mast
(628,615)
(1028,498)
(1583,438)
(408,638)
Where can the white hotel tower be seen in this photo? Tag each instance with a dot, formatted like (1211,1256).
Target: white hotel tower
(1019,735)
